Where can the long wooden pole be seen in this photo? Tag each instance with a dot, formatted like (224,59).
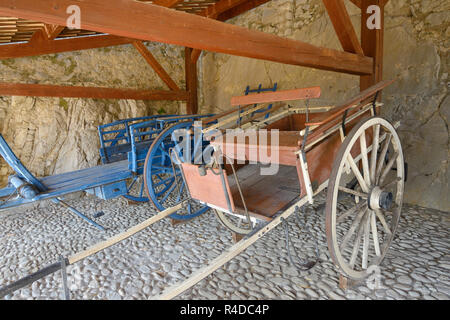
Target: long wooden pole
(230,253)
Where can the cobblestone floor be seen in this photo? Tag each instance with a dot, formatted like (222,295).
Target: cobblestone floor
(416,267)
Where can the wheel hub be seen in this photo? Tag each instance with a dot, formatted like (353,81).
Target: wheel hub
(379,199)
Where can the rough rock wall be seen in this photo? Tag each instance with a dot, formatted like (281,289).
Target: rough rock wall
(417,39)
(53,135)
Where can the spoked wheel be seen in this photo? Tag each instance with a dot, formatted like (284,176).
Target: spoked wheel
(236,223)
(163,180)
(135,189)
(361,220)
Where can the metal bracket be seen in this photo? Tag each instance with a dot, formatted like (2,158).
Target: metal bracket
(344,118)
(374,104)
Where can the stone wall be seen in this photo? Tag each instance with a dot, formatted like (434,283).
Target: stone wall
(58,135)
(53,135)
(416,54)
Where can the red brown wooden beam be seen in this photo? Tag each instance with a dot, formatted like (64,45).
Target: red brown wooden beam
(220,7)
(40,90)
(285,95)
(167,3)
(343,26)
(356,3)
(240,9)
(195,54)
(155,65)
(187,30)
(213,12)
(57,46)
(372,44)
(191,82)
(53,31)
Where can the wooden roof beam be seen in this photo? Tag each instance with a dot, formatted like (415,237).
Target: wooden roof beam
(356,3)
(53,31)
(188,30)
(240,9)
(18,50)
(343,26)
(40,90)
(220,7)
(155,65)
(167,3)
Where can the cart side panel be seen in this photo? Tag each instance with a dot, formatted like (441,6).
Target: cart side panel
(321,157)
(208,188)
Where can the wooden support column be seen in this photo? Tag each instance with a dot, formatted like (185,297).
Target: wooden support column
(372,43)
(191,82)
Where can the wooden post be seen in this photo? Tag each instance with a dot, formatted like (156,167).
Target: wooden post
(372,43)
(191,82)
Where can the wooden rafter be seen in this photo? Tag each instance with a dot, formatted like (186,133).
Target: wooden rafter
(220,7)
(155,65)
(191,82)
(53,31)
(18,50)
(195,54)
(167,3)
(240,9)
(213,12)
(203,33)
(356,3)
(343,26)
(39,90)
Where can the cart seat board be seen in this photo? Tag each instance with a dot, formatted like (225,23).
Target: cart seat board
(87,178)
(285,95)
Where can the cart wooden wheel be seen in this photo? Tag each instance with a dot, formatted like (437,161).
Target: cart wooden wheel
(161,176)
(135,189)
(361,227)
(235,223)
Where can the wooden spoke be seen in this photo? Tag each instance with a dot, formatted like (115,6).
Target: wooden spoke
(357,241)
(387,185)
(365,160)
(376,243)
(382,156)
(355,224)
(353,192)
(373,160)
(350,211)
(358,175)
(383,221)
(388,168)
(366,241)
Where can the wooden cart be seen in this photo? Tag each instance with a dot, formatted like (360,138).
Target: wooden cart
(350,149)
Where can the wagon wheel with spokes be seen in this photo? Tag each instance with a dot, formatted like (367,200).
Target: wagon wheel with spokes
(361,227)
(164,184)
(136,189)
